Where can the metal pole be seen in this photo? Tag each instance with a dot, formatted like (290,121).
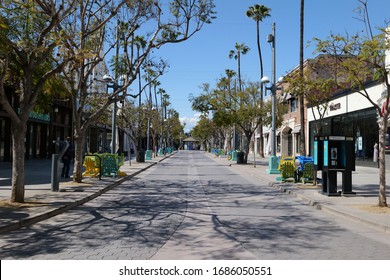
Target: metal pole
(273,143)
(162,123)
(113,140)
(148,135)
(115,87)
(55,165)
(273,161)
(149,110)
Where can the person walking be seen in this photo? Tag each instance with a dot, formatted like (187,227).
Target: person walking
(66,160)
(376,153)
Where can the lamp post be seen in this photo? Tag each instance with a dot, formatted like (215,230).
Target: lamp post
(273,160)
(148,155)
(112,84)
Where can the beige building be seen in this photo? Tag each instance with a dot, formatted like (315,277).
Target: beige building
(288,134)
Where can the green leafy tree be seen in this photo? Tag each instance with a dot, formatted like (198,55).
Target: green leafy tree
(174,129)
(204,131)
(140,28)
(128,121)
(202,103)
(366,59)
(29,40)
(319,83)
(241,108)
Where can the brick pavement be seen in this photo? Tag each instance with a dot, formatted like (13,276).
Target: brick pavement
(361,207)
(42,203)
(48,204)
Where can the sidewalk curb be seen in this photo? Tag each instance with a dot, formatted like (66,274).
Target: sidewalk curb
(329,209)
(71,205)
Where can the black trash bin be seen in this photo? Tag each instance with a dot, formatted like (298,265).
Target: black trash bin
(240,157)
(141,156)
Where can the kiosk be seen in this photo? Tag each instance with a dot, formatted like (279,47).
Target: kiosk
(334,154)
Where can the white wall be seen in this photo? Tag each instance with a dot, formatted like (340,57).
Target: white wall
(350,103)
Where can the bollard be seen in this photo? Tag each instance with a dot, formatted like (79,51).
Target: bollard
(55,182)
(55,163)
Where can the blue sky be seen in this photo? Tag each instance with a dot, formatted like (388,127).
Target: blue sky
(204,58)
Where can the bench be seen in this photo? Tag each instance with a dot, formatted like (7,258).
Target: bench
(288,171)
(92,165)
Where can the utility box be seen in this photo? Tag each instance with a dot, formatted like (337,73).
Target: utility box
(338,155)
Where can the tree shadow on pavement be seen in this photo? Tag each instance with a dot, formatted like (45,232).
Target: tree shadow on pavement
(126,223)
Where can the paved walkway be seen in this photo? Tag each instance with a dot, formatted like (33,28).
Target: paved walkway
(361,207)
(43,204)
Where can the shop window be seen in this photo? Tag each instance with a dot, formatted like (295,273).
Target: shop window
(293,105)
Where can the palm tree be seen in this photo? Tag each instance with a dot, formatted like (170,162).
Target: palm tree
(302,99)
(240,49)
(258,13)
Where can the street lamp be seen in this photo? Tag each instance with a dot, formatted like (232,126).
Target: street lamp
(148,155)
(111,83)
(273,160)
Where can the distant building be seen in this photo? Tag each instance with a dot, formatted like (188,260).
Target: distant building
(190,143)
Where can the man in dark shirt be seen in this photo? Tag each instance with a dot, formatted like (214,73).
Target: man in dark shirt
(66,159)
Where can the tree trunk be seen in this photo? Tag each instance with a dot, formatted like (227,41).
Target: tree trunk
(261,141)
(382,161)
(78,160)
(248,139)
(228,139)
(18,153)
(130,143)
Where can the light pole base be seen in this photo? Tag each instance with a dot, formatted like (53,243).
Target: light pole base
(148,155)
(273,165)
(234,156)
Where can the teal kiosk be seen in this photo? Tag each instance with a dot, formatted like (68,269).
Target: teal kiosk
(318,155)
(333,154)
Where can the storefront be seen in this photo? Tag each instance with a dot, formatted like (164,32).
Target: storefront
(42,130)
(5,139)
(362,125)
(350,114)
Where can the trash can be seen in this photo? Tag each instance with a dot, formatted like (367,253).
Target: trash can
(141,156)
(240,157)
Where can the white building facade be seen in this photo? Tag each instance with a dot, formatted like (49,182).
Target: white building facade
(349,113)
